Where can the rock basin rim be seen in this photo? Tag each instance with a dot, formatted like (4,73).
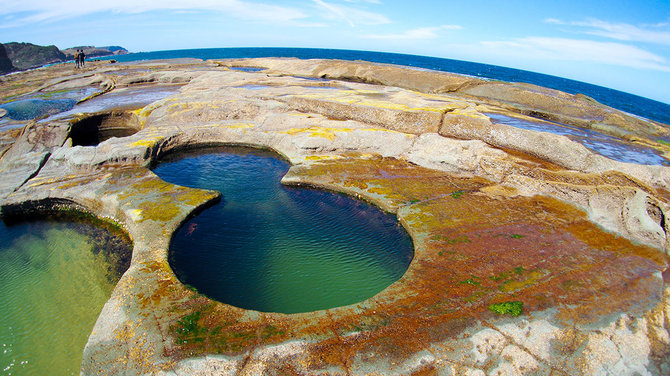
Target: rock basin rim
(499,216)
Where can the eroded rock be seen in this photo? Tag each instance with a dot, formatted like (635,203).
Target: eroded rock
(499,215)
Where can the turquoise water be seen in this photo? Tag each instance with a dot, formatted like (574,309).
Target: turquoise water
(35,106)
(274,248)
(28,109)
(55,276)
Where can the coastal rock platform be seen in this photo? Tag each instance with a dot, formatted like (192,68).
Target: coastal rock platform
(533,254)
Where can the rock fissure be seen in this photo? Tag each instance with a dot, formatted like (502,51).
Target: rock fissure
(36,172)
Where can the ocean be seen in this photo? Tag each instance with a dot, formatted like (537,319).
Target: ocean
(630,103)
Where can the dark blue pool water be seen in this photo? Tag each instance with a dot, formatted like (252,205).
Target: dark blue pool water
(274,248)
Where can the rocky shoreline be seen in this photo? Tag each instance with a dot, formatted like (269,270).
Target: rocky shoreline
(533,253)
(22,56)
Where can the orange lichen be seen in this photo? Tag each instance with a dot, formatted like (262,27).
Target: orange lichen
(473,251)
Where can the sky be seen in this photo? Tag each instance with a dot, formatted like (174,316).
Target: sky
(620,44)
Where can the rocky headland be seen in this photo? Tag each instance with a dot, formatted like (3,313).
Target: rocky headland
(5,63)
(533,253)
(92,51)
(24,56)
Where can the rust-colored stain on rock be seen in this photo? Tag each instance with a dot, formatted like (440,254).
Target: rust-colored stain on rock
(528,259)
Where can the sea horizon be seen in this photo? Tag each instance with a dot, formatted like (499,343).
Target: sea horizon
(633,104)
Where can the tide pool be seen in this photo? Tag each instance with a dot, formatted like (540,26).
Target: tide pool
(55,276)
(274,248)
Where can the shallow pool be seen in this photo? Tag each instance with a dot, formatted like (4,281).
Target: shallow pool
(55,276)
(603,144)
(126,98)
(27,109)
(274,248)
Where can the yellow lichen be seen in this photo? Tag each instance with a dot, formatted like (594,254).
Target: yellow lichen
(532,279)
(240,126)
(322,157)
(328,133)
(162,210)
(147,142)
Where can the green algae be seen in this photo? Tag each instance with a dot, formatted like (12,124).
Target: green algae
(200,330)
(470,281)
(457,194)
(511,236)
(188,330)
(514,308)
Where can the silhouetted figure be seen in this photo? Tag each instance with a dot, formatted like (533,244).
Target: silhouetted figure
(82,56)
(76,59)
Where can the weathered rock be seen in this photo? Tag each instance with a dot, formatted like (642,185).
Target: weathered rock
(565,108)
(28,154)
(360,71)
(500,217)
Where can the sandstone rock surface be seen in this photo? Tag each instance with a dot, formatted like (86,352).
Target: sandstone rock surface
(502,218)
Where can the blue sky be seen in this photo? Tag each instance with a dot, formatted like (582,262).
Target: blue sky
(620,44)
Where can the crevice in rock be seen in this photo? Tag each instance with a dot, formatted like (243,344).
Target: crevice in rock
(245,361)
(346,363)
(444,114)
(656,214)
(43,161)
(511,340)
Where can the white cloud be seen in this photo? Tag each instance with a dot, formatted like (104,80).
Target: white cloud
(563,49)
(554,21)
(49,10)
(415,34)
(351,15)
(621,31)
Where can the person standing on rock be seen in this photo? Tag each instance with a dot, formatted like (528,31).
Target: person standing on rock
(82,56)
(76,59)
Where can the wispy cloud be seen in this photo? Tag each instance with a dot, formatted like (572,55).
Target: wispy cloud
(654,34)
(32,11)
(350,15)
(554,21)
(416,34)
(564,49)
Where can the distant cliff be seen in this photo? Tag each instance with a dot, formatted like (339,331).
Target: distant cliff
(91,51)
(5,62)
(21,56)
(28,55)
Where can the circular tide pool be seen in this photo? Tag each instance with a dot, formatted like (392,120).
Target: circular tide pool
(55,276)
(273,248)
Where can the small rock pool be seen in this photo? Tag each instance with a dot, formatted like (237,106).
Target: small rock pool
(603,144)
(274,248)
(56,274)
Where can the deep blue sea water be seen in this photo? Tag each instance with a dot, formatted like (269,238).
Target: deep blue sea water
(630,103)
